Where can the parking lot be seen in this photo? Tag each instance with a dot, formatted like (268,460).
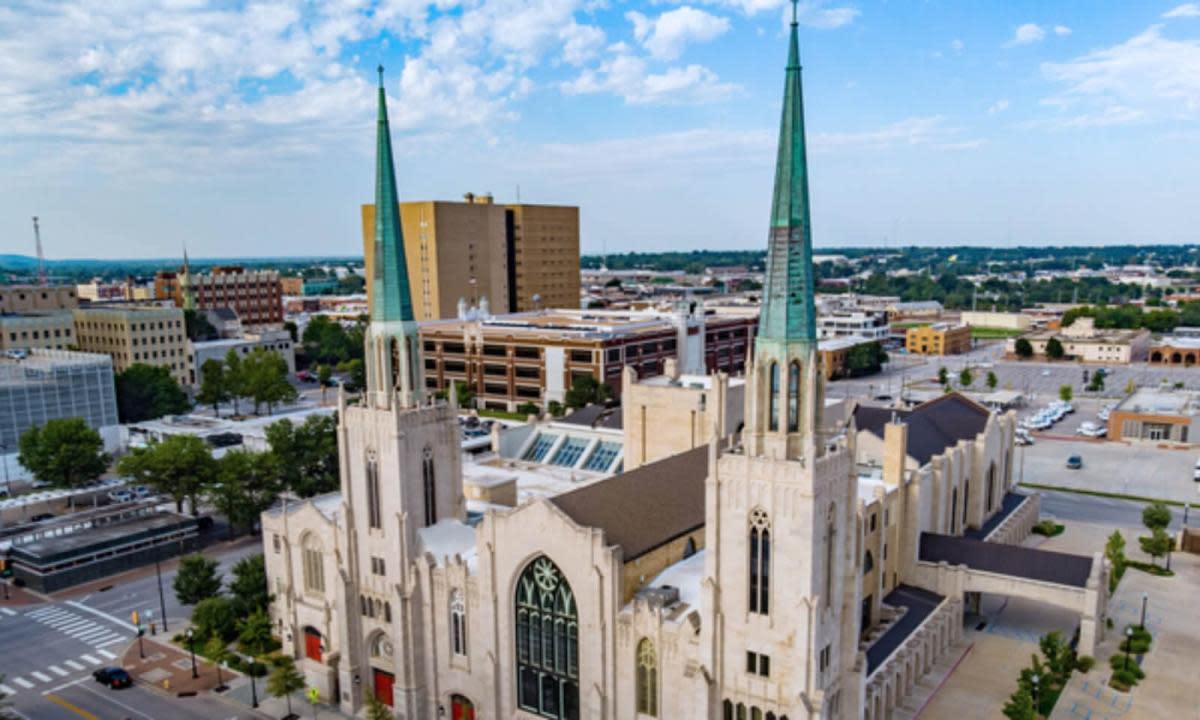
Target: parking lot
(1110,467)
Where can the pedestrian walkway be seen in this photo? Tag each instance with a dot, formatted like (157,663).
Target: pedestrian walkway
(76,625)
(169,668)
(276,707)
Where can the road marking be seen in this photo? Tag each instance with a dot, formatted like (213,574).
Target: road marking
(6,611)
(73,708)
(109,698)
(58,671)
(107,654)
(91,634)
(64,620)
(106,643)
(66,685)
(73,665)
(90,659)
(78,623)
(40,676)
(8,692)
(23,682)
(111,618)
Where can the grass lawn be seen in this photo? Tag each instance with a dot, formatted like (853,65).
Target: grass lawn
(993,333)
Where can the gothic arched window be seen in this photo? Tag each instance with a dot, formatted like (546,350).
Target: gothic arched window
(547,642)
(430,486)
(374,515)
(868,562)
(830,539)
(458,623)
(760,562)
(312,564)
(793,396)
(647,678)
(773,400)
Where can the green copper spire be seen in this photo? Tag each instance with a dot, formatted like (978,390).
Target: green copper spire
(391,300)
(788,313)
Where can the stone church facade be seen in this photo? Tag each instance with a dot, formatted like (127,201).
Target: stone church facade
(725,582)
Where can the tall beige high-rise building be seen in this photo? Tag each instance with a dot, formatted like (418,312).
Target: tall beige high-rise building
(475,250)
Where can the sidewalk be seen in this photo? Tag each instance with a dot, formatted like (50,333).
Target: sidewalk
(13,596)
(276,707)
(169,668)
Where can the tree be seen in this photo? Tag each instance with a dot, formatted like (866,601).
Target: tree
(180,466)
(235,378)
(265,374)
(254,635)
(324,377)
(307,454)
(376,710)
(197,579)
(865,358)
(991,380)
(294,331)
(1156,544)
(214,387)
(943,376)
(217,650)
(64,452)
(245,484)
(326,341)
(586,390)
(1114,550)
(1020,706)
(1130,387)
(1054,349)
(356,374)
(197,327)
(215,617)
(1064,393)
(146,392)
(249,585)
(965,378)
(1156,516)
(284,680)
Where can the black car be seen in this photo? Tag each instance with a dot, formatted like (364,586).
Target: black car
(41,517)
(114,677)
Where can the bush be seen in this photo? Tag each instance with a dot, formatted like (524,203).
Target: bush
(1130,669)
(1049,528)
(1084,663)
(528,408)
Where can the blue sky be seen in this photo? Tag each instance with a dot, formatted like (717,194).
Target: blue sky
(132,127)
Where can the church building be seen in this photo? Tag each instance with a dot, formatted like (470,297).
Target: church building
(794,565)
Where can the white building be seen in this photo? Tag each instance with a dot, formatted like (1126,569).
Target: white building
(276,341)
(861,325)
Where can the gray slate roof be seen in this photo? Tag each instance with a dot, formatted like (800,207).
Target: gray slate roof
(933,426)
(1029,563)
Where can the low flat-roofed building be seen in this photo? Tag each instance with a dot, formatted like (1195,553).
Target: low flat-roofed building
(1001,320)
(37,298)
(54,330)
(938,339)
(1157,415)
(276,341)
(1082,341)
(1181,347)
(860,324)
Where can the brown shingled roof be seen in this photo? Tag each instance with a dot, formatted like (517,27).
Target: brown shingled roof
(645,507)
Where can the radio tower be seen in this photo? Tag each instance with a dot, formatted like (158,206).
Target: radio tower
(37,236)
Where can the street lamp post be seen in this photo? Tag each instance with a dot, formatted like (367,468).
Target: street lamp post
(1128,644)
(192,650)
(1145,598)
(253,687)
(1035,680)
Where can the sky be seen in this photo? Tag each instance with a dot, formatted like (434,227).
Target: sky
(134,127)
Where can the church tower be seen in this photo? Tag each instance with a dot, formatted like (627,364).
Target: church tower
(400,475)
(780,621)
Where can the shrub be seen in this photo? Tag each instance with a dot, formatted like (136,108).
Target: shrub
(1049,528)
(1084,663)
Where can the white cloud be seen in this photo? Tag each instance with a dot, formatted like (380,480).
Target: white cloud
(927,131)
(629,77)
(998,107)
(811,13)
(1148,77)
(957,45)
(1062,30)
(1186,10)
(1109,116)
(1028,34)
(666,36)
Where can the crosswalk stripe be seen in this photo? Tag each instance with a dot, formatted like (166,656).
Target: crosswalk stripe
(73,665)
(8,692)
(40,611)
(40,676)
(63,619)
(7,611)
(87,635)
(74,625)
(90,659)
(58,671)
(107,640)
(107,654)
(23,682)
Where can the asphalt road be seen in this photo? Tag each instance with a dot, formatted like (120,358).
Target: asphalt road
(1070,507)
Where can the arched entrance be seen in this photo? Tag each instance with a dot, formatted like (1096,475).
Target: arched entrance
(382,678)
(1156,357)
(461,708)
(313,648)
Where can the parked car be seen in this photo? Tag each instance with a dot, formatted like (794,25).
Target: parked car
(42,517)
(305,376)
(114,677)
(121,496)
(1091,429)
(1196,474)
(1075,462)
(141,492)
(1023,438)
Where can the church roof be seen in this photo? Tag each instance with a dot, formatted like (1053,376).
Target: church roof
(933,426)
(646,507)
(595,416)
(390,298)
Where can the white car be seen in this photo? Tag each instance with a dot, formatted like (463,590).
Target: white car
(120,496)
(1091,429)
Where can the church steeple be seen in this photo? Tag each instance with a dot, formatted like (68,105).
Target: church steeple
(393,363)
(785,410)
(187,298)
(788,313)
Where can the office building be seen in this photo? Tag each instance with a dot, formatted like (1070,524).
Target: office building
(275,341)
(23,299)
(1083,341)
(938,339)
(861,325)
(147,334)
(1158,416)
(514,257)
(255,295)
(41,385)
(47,330)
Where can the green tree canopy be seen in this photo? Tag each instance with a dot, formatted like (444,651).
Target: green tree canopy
(254,633)
(1054,349)
(180,466)
(1065,393)
(326,341)
(586,390)
(215,617)
(307,454)
(235,378)
(1156,544)
(248,588)
(145,392)
(266,381)
(943,376)
(1156,515)
(245,484)
(965,378)
(214,385)
(284,680)
(197,326)
(991,380)
(197,579)
(64,452)
(1023,348)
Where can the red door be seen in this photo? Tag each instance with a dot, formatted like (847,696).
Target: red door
(312,645)
(461,708)
(383,687)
